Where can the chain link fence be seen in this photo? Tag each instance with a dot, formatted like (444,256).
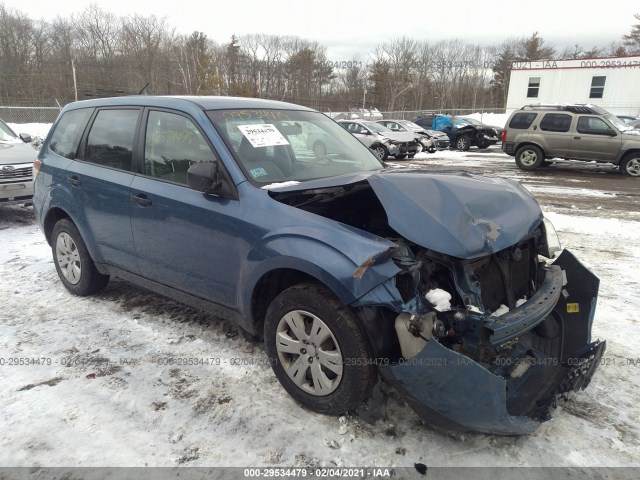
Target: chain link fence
(410,114)
(22,114)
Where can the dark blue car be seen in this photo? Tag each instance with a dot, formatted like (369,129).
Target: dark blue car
(433,280)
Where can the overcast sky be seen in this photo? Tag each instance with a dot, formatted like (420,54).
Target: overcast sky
(351,28)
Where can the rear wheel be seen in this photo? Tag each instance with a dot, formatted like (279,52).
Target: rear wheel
(73,262)
(630,165)
(317,349)
(319,149)
(401,156)
(463,143)
(529,157)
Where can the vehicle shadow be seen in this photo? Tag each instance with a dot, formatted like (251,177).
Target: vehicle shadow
(16,215)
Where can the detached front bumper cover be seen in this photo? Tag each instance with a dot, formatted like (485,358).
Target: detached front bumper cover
(454,392)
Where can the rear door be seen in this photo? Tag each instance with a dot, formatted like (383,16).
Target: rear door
(556,135)
(595,139)
(100,181)
(184,238)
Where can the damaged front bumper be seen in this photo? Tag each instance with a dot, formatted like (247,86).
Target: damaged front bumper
(549,354)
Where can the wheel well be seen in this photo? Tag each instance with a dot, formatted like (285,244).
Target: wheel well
(51,219)
(630,153)
(269,287)
(529,144)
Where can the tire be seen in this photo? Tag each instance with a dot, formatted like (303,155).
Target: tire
(483,145)
(75,267)
(381,152)
(529,157)
(411,155)
(344,379)
(319,149)
(463,143)
(630,165)
(401,156)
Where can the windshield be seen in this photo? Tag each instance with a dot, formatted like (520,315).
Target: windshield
(376,127)
(460,121)
(472,121)
(6,134)
(276,146)
(411,125)
(619,124)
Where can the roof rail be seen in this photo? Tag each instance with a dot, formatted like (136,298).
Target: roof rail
(568,107)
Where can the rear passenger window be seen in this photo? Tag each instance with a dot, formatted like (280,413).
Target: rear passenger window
(172,145)
(522,120)
(66,137)
(110,140)
(556,122)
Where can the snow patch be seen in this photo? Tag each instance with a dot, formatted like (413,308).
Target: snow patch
(440,299)
(271,186)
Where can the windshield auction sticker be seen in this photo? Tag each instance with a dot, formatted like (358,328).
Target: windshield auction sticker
(263,135)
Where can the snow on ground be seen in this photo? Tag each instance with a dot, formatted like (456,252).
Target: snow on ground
(494,119)
(114,385)
(38,131)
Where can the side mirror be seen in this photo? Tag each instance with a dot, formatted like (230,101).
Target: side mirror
(25,137)
(364,132)
(204,177)
(611,132)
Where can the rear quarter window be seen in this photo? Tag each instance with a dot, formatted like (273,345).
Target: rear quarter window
(556,122)
(68,132)
(522,120)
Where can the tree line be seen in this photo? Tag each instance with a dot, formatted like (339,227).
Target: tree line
(95,54)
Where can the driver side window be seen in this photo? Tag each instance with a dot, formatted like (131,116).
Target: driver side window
(592,125)
(173,143)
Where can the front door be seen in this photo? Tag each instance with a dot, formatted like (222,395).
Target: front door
(184,238)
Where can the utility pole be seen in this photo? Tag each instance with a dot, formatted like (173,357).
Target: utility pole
(75,85)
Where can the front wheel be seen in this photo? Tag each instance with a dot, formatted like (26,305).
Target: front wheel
(317,349)
(529,157)
(75,267)
(630,165)
(381,152)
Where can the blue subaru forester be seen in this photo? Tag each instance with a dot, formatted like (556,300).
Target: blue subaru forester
(352,271)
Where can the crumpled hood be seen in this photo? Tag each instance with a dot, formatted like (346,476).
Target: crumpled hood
(456,213)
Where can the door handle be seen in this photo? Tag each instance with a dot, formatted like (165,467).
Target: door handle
(73,180)
(141,199)
(577,138)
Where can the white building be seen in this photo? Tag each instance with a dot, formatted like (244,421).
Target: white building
(612,83)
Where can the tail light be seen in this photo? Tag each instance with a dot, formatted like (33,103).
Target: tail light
(504,135)
(36,167)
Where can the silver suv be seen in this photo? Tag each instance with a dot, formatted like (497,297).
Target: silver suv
(536,133)
(16,162)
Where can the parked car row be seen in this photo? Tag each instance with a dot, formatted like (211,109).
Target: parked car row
(16,161)
(463,132)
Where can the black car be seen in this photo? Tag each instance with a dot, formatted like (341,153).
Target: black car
(464,133)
